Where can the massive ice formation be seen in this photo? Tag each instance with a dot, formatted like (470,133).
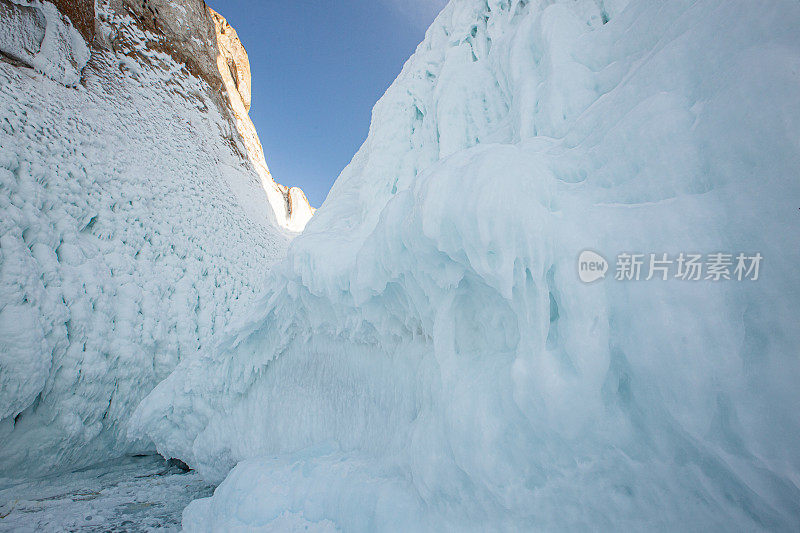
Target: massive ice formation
(427,357)
(136,214)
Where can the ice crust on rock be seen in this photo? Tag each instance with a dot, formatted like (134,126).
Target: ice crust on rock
(37,34)
(21,31)
(133,228)
(64,53)
(427,357)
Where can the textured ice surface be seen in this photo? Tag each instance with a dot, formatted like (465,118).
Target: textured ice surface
(427,358)
(38,35)
(63,53)
(130,234)
(126,494)
(22,30)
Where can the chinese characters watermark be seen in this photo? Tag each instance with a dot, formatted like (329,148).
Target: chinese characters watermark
(716,266)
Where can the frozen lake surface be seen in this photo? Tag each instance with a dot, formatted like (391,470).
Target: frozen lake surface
(133,493)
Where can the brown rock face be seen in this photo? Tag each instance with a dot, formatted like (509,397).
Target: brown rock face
(234,55)
(187,30)
(81,14)
(202,39)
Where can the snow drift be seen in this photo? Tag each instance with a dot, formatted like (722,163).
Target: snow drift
(427,356)
(136,220)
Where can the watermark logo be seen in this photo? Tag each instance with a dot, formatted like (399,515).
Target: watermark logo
(591,266)
(716,266)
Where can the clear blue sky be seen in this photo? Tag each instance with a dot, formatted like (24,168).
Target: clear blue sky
(318,67)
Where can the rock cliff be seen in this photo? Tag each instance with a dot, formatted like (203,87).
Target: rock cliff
(189,31)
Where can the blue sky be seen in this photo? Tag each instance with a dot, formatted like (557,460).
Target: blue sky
(318,67)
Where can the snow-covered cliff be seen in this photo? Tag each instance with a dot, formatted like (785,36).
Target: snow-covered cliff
(427,357)
(138,214)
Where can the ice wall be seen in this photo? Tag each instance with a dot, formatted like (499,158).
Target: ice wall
(427,357)
(133,227)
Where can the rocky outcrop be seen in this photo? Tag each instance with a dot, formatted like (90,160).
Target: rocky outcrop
(81,14)
(53,38)
(182,28)
(202,39)
(233,67)
(232,56)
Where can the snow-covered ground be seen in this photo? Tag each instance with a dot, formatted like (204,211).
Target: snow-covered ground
(427,358)
(132,493)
